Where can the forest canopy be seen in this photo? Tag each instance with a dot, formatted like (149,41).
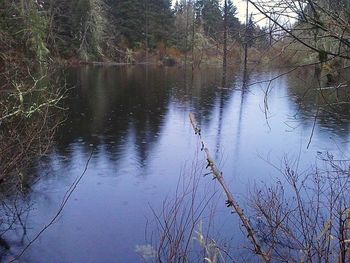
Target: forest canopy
(116,30)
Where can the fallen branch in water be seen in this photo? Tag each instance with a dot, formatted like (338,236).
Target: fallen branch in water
(231,201)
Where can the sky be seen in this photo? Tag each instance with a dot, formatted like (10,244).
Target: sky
(241,9)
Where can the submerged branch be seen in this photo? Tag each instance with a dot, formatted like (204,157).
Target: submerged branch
(231,201)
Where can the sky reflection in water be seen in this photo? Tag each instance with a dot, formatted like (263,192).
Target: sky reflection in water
(136,121)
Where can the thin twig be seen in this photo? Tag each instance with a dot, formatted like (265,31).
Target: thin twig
(63,204)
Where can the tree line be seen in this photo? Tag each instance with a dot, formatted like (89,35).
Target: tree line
(109,29)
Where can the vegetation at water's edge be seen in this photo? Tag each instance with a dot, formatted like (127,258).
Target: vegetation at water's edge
(123,31)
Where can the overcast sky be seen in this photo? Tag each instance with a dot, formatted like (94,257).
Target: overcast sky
(241,8)
(259,18)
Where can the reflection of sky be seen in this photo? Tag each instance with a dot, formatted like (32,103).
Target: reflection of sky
(142,140)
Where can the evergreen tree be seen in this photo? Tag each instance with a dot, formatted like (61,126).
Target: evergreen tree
(160,21)
(184,26)
(211,17)
(198,8)
(250,32)
(78,28)
(233,23)
(144,22)
(130,18)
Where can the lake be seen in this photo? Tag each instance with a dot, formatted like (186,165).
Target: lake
(134,121)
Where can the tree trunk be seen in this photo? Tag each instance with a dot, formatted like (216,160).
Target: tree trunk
(224,59)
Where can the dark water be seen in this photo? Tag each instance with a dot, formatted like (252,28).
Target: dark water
(135,120)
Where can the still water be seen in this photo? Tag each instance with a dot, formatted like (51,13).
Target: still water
(134,121)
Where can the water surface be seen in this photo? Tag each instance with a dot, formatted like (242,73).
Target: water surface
(134,120)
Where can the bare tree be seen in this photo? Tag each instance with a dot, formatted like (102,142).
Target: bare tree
(321,26)
(305,217)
